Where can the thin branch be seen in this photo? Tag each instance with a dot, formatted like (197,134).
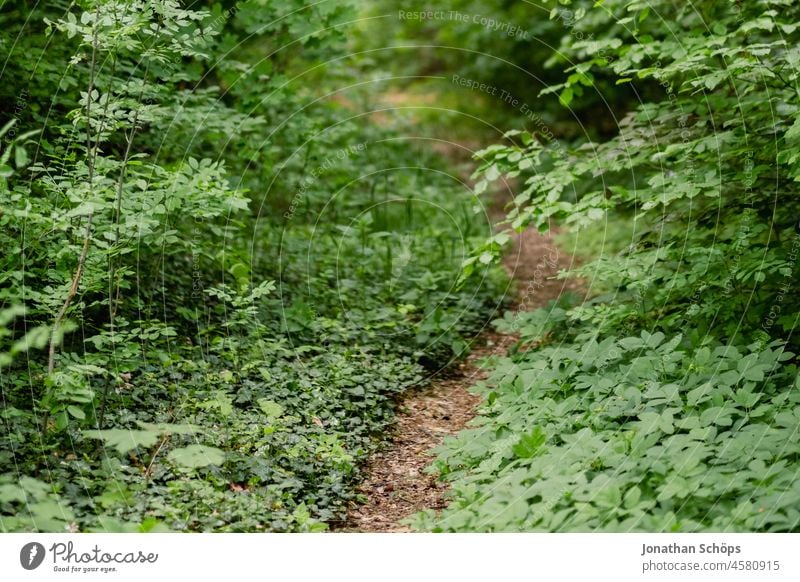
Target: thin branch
(70,295)
(149,470)
(76,278)
(92,153)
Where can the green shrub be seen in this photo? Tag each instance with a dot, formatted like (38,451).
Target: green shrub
(667,400)
(213,284)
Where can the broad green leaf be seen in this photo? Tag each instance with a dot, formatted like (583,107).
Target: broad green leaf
(270,408)
(195,456)
(125,440)
(530,444)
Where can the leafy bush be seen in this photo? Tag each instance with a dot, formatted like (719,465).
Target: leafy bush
(667,401)
(630,434)
(213,283)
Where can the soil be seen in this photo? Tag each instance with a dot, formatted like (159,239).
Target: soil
(396,484)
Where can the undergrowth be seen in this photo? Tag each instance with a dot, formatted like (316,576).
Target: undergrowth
(669,399)
(213,283)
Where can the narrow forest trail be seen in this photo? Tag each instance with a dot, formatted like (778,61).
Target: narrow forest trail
(396,485)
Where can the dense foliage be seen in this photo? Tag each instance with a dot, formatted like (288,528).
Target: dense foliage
(215,274)
(223,258)
(669,400)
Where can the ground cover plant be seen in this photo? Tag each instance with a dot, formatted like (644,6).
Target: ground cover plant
(668,400)
(213,283)
(233,234)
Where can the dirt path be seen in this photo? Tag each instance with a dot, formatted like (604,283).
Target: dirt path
(396,485)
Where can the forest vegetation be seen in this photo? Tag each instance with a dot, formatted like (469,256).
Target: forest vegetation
(233,233)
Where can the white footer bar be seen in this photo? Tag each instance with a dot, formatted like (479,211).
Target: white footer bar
(410,557)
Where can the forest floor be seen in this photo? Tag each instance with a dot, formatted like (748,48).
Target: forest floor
(397,485)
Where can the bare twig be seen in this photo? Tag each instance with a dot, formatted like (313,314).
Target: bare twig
(149,470)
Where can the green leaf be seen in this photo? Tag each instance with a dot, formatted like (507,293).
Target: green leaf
(632,497)
(195,456)
(492,173)
(76,412)
(20,157)
(164,428)
(700,394)
(529,445)
(125,440)
(270,408)
(566,97)
(793,133)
